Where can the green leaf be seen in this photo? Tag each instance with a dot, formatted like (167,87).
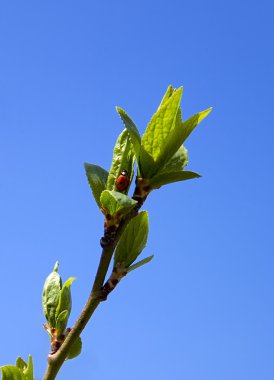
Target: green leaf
(97,178)
(61,321)
(20,363)
(50,297)
(132,130)
(177,162)
(22,370)
(165,178)
(64,304)
(10,372)
(188,126)
(167,95)
(165,133)
(115,202)
(153,146)
(178,135)
(133,240)
(140,263)
(28,371)
(75,349)
(123,159)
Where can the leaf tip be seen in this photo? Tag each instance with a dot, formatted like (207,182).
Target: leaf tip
(202,115)
(119,110)
(56,266)
(207,111)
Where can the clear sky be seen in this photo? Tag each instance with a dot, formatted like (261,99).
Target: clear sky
(203,309)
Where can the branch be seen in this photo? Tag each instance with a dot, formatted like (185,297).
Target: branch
(56,360)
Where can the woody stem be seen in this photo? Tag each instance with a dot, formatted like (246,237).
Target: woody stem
(56,360)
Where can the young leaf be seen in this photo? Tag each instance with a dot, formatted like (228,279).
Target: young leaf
(179,134)
(159,129)
(97,178)
(10,372)
(140,263)
(123,159)
(177,162)
(133,240)
(61,322)
(167,95)
(22,370)
(114,202)
(20,363)
(28,371)
(132,130)
(188,125)
(165,178)
(64,304)
(75,349)
(50,297)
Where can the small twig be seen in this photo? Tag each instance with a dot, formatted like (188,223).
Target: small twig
(56,360)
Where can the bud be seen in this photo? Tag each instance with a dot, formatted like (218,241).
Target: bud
(51,293)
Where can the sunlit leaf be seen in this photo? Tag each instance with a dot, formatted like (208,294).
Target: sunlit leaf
(22,370)
(166,178)
(10,372)
(167,95)
(97,178)
(132,130)
(123,159)
(188,126)
(114,202)
(160,128)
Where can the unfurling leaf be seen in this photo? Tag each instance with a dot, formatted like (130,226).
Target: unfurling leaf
(188,126)
(97,178)
(10,372)
(20,363)
(64,306)
(61,322)
(167,95)
(133,240)
(178,135)
(50,297)
(166,133)
(123,159)
(114,202)
(160,128)
(22,370)
(75,349)
(28,371)
(132,130)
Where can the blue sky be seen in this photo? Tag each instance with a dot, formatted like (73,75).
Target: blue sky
(203,308)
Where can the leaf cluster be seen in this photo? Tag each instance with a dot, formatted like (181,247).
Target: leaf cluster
(21,370)
(160,157)
(159,154)
(56,300)
(57,304)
